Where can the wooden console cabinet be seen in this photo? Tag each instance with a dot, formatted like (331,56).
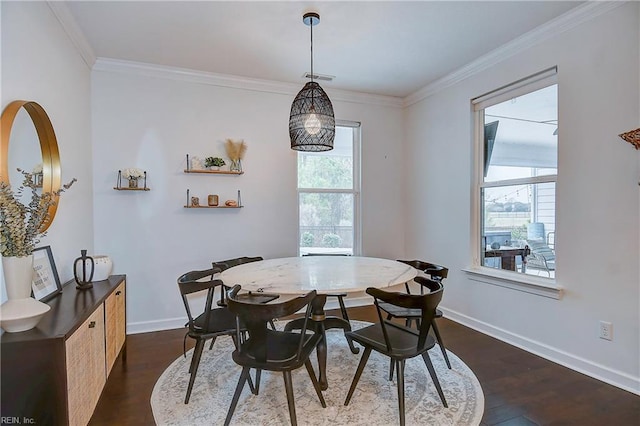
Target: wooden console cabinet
(54,374)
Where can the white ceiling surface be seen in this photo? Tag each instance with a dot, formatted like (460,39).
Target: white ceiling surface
(384,48)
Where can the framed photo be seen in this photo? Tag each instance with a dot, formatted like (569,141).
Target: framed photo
(46,282)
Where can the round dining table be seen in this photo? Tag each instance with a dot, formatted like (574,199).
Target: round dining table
(325,274)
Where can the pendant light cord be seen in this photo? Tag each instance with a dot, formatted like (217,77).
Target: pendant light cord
(311,49)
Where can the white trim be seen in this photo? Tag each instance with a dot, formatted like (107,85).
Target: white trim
(520,181)
(525,85)
(576,16)
(174,323)
(600,372)
(522,282)
(233,81)
(72,29)
(156,325)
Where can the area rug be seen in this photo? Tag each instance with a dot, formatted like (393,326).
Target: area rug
(375,401)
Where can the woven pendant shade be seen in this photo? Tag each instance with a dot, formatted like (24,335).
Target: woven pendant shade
(312,126)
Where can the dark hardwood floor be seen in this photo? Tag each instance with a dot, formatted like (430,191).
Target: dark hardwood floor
(519,388)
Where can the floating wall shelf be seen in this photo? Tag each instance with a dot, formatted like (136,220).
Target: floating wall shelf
(213,207)
(131,189)
(213,172)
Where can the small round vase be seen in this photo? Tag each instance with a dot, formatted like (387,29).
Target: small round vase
(102,266)
(21,312)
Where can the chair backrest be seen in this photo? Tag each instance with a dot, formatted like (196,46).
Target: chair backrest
(541,247)
(436,272)
(229,263)
(196,281)
(427,303)
(255,316)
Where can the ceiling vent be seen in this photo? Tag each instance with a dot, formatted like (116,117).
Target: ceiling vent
(319,76)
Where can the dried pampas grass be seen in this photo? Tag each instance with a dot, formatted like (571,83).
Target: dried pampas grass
(235,150)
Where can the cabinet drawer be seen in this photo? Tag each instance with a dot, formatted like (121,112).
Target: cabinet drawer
(86,375)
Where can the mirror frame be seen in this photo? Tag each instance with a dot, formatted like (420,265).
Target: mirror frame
(51,173)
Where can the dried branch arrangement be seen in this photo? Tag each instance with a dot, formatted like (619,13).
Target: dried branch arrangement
(633,137)
(235,150)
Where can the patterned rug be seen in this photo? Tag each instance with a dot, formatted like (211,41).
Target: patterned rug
(375,401)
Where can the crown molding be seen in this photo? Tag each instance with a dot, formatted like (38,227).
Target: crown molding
(73,31)
(564,22)
(234,81)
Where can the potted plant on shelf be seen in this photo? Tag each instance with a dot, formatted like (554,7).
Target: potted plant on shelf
(133,174)
(20,232)
(214,162)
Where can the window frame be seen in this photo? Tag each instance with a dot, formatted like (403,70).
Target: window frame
(539,285)
(355,191)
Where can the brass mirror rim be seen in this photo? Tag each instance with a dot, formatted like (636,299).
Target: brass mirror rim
(48,147)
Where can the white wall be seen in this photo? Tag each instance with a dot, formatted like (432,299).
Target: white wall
(597,200)
(41,64)
(153,122)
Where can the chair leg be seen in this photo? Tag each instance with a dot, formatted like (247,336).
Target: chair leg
(391,367)
(273,326)
(316,385)
(343,308)
(400,374)
(288,386)
(212,342)
(258,374)
(434,326)
(356,378)
(436,382)
(236,395)
(193,367)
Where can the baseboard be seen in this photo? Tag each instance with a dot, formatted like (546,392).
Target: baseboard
(159,325)
(605,374)
(173,323)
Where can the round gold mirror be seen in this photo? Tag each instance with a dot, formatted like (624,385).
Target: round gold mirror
(49,155)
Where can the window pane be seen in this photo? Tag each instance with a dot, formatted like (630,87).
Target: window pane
(326,223)
(514,217)
(521,136)
(329,169)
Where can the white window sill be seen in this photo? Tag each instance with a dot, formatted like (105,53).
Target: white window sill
(516,281)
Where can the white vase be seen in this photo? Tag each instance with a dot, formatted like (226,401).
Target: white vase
(21,312)
(102,266)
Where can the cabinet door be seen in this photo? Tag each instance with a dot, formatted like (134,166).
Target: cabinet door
(85,361)
(115,324)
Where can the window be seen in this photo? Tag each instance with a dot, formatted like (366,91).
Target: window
(328,196)
(516,169)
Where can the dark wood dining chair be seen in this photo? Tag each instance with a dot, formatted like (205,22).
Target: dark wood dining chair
(211,323)
(272,350)
(397,341)
(229,263)
(437,273)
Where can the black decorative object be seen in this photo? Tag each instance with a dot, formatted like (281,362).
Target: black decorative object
(82,276)
(312,125)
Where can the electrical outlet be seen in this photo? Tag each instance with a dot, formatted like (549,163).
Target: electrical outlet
(606,330)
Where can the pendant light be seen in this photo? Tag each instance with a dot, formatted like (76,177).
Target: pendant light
(312,126)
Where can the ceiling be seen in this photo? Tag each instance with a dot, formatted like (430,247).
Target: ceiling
(386,48)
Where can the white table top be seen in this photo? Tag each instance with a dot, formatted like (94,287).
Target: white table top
(326,274)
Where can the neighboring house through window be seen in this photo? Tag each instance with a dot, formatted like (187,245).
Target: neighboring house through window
(329,196)
(515,181)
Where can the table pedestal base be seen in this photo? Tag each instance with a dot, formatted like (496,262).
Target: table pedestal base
(319,324)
